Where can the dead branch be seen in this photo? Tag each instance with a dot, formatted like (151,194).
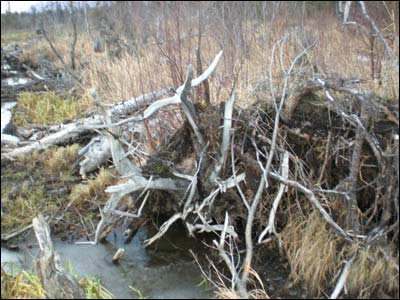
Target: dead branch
(388,50)
(342,279)
(352,220)
(56,281)
(263,182)
(226,134)
(5,238)
(68,132)
(270,229)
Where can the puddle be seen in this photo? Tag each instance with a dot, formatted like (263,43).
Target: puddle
(165,272)
(13,81)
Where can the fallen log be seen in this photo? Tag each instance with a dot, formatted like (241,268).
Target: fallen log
(57,283)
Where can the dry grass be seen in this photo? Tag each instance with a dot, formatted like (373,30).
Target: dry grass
(37,52)
(225,293)
(62,160)
(316,258)
(338,52)
(129,76)
(255,287)
(312,251)
(93,190)
(374,272)
(55,162)
(27,285)
(40,50)
(24,285)
(332,55)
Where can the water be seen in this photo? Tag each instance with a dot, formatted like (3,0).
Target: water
(6,114)
(165,272)
(17,81)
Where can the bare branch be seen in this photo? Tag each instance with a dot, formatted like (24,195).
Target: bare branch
(226,134)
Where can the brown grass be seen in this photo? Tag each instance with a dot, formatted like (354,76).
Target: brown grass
(337,53)
(40,50)
(36,53)
(374,272)
(93,190)
(312,251)
(62,160)
(225,293)
(24,285)
(317,257)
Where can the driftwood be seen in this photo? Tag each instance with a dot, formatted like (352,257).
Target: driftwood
(67,133)
(95,154)
(57,283)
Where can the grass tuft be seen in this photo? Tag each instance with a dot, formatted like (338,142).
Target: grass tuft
(312,252)
(374,272)
(93,189)
(45,109)
(23,285)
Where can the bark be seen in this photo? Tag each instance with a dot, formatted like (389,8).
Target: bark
(57,283)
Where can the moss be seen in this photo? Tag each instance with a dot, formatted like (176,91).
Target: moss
(45,109)
(160,168)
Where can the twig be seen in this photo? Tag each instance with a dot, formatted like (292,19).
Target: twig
(342,279)
(5,238)
(263,183)
(271,223)
(326,157)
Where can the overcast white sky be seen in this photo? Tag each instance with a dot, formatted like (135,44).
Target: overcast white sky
(17,5)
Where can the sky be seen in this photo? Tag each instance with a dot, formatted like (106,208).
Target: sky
(17,6)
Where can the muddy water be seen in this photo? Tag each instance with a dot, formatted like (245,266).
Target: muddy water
(165,272)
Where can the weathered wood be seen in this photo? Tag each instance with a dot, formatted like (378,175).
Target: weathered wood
(95,154)
(57,283)
(68,133)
